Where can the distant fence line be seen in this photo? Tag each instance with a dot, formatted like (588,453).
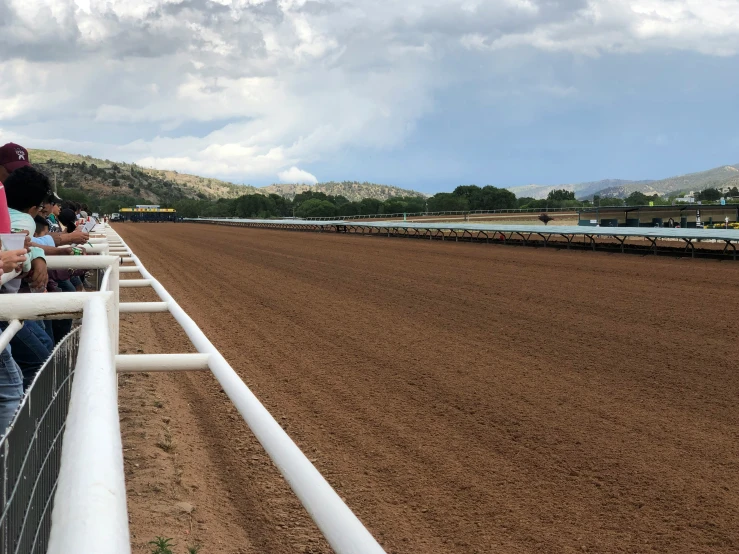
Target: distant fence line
(447,212)
(421,214)
(574,210)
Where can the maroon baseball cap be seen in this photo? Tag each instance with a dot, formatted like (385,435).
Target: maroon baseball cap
(13,156)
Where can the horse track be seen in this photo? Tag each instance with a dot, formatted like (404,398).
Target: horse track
(460,397)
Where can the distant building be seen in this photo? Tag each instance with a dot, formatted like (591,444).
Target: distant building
(148,212)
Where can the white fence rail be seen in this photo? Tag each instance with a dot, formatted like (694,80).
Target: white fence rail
(90,503)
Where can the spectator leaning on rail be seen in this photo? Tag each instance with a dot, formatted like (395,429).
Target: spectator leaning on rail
(52,207)
(67,220)
(25,189)
(58,280)
(11,378)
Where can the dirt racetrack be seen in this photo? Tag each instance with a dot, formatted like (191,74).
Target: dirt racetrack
(460,397)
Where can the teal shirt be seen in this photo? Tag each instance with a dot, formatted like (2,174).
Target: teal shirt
(24,222)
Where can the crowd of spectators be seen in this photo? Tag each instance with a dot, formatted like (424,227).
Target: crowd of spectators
(51,227)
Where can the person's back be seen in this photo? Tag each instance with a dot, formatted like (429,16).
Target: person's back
(25,189)
(12,157)
(30,345)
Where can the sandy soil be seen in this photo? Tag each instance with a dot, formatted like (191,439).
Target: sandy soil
(460,397)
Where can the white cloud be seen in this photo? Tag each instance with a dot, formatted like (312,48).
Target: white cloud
(251,89)
(295,175)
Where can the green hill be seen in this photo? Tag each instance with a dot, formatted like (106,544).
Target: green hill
(108,179)
(105,178)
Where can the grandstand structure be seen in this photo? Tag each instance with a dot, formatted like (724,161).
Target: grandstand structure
(677,241)
(682,215)
(148,213)
(63,486)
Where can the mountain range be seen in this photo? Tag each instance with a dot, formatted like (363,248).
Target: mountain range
(724,176)
(105,178)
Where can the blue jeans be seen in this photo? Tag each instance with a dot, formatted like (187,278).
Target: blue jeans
(62,327)
(49,329)
(31,347)
(11,389)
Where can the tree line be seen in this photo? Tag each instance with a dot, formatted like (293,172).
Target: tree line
(318,204)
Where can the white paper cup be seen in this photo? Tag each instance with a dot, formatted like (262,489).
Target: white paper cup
(12,241)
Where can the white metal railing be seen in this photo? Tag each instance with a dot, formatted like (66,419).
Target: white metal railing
(90,503)
(8,277)
(90,500)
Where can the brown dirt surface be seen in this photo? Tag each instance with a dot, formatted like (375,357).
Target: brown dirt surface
(461,397)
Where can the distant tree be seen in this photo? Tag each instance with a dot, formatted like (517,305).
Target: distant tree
(709,195)
(612,202)
(533,204)
(187,208)
(283,206)
(394,206)
(253,205)
(447,201)
(316,208)
(521,202)
(339,200)
(402,204)
(470,192)
(493,198)
(734,191)
(74,195)
(309,195)
(352,208)
(637,198)
(561,194)
(369,206)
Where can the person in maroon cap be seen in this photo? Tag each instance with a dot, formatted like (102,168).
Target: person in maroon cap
(12,156)
(15,156)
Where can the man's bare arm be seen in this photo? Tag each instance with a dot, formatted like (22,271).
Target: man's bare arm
(76,237)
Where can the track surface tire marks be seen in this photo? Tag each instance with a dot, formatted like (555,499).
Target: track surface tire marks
(470,398)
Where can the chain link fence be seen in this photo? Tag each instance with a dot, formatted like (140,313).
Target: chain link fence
(30,454)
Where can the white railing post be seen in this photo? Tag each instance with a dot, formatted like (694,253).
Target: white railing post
(90,512)
(114,285)
(10,331)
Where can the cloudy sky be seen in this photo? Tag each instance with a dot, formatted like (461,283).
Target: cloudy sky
(427,94)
